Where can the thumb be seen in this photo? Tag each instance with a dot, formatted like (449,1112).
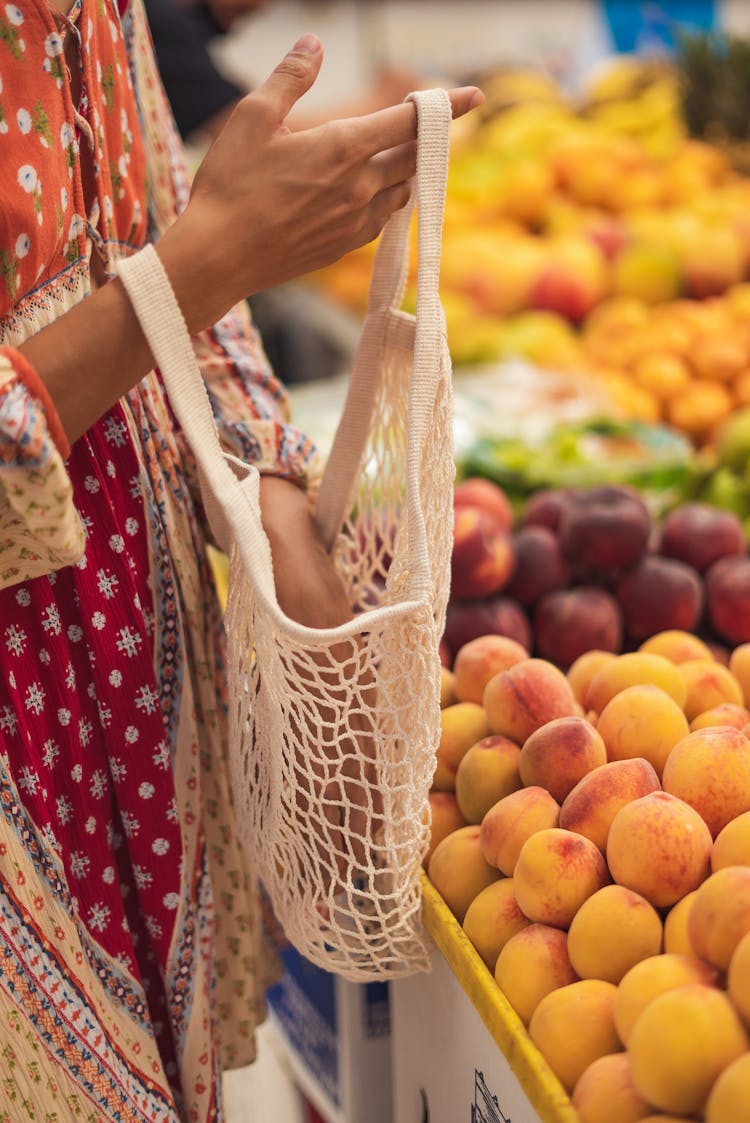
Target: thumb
(293,77)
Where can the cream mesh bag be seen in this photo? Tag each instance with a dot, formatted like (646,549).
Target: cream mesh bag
(334,732)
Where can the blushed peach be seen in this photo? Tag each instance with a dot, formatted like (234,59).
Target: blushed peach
(738,978)
(633,669)
(461,726)
(481,658)
(676,645)
(487,773)
(445,817)
(653,976)
(727,713)
(595,800)
(605,1092)
(559,754)
(613,930)
(482,559)
(739,665)
(710,770)
(660,847)
(676,937)
(587,1005)
(732,844)
(532,963)
(720,915)
(526,696)
(448,688)
(707,684)
(487,496)
(511,821)
(458,870)
(492,918)
(581,672)
(555,873)
(729,1098)
(642,721)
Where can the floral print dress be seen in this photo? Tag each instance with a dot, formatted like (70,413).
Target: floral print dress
(131,962)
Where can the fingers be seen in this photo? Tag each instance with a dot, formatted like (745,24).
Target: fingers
(396,125)
(292,78)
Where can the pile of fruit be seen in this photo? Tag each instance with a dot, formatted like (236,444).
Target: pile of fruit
(591,833)
(591,568)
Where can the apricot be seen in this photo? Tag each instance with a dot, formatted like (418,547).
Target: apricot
(524,697)
(653,976)
(676,645)
(461,726)
(732,844)
(720,915)
(511,821)
(481,658)
(676,937)
(660,847)
(532,963)
(633,669)
(445,817)
(605,1092)
(458,870)
(681,1043)
(707,683)
(555,873)
(595,800)
(642,721)
(738,978)
(492,918)
(559,754)
(487,773)
(729,1098)
(613,930)
(581,672)
(573,1026)
(727,713)
(739,665)
(710,770)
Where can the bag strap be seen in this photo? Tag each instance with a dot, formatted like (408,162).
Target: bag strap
(390,270)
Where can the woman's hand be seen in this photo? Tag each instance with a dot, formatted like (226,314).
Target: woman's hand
(269,204)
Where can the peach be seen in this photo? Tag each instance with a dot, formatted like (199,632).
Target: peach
(533,963)
(481,658)
(681,1043)
(492,918)
(729,1098)
(481,493)
(595,800)
(605,1092)
(487,773)
(447,688)
(555,873)
(642,721)
(635,668)
(708,683)
(605,529)
(466,620)
(445,817)
(613,930)
(738,978)
(676,645)
(559,754)
(720,915)
(573,1026)
(482,559)
(710,770)
(676,937)
(461,726)
(728,598)
(651,977)
(739,665)
(726,713)
(659,594)
(583,669)
(660,847)
(511,821)
(732,844)
(699,534)
(540,566)
(569,622)
(459,871)
(526,696)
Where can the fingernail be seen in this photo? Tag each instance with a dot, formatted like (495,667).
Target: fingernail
(308,44)
(476,100)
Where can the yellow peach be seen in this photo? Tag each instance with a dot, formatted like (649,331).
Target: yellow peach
(613,930)
(605,1092)
(676,937)
(555,873)
(707,684)
(633,669)
(573,1026)
(458,870)
(559,754)
(485,774)
(445,817)
(511,821)
(583,669)
(720,915)
(642,721)
(739,665)
(481,658)
(710,770)
(525,696)
(676,645)
(738,978)
(729,1099)
(732,844)
(727,713)
(492,918)
(461,726)
(646,980)
(531,964)
(447,688)
(595,800)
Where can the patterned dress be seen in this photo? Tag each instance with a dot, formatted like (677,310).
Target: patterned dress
(131,964)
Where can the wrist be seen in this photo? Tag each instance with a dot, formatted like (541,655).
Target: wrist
(203,293)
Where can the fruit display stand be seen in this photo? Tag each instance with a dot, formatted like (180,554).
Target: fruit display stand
(459,1051)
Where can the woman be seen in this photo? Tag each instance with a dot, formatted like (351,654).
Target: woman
(130,961)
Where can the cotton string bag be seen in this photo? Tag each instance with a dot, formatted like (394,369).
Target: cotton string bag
(333,732)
